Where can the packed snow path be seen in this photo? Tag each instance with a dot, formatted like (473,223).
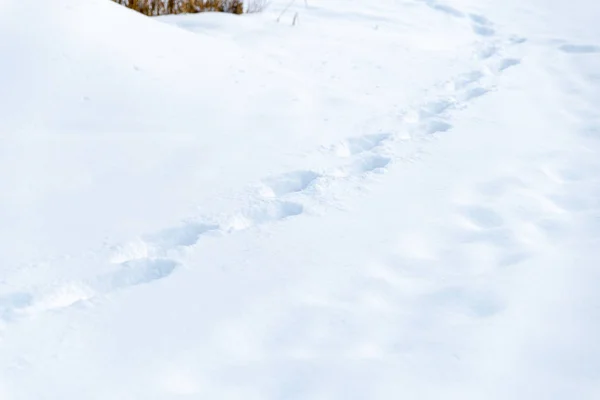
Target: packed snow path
(449,251)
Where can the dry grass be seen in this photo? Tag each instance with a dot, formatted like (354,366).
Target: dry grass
(256,6)
(163,7)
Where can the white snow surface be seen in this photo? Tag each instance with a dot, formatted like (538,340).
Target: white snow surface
(345,199)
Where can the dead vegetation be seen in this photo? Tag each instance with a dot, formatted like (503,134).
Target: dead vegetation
(164,7)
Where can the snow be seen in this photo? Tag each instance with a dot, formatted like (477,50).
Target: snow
(387,199)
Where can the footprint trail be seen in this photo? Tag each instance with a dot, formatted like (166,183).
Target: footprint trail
(156,256)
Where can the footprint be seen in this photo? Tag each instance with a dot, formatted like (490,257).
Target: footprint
(263,213)
(373,163)
(480,19)
(67,294)
(486,50)
(517,39)
(436,107)
(466,79)
(436,126)
(507,63)
(482,217)
(277,211)
(483,30)
(474,93)
(11,303)
(445,9)
(186,235)
(134,273)
(579,49)
(130,273)
(481,25)
(292,182)
(429,111)
(62,296)
(354,146)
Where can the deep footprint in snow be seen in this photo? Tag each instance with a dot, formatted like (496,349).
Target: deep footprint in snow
(436,126)
(480,19)
(482,30)
(62,296)
(140,271)
(291,182)
(263,213)
(474,93)
(134,273)
(354,146)
(517,39)
(12,302)
(130,273)
(448,10)
(435,108)
(486,50)
(185,235)
(579,49)
(481,25)
(507,63)
(465,80)
(371,164)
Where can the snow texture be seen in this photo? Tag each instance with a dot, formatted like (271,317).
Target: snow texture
(381,200)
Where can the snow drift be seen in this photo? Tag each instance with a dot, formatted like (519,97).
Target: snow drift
(382,200)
